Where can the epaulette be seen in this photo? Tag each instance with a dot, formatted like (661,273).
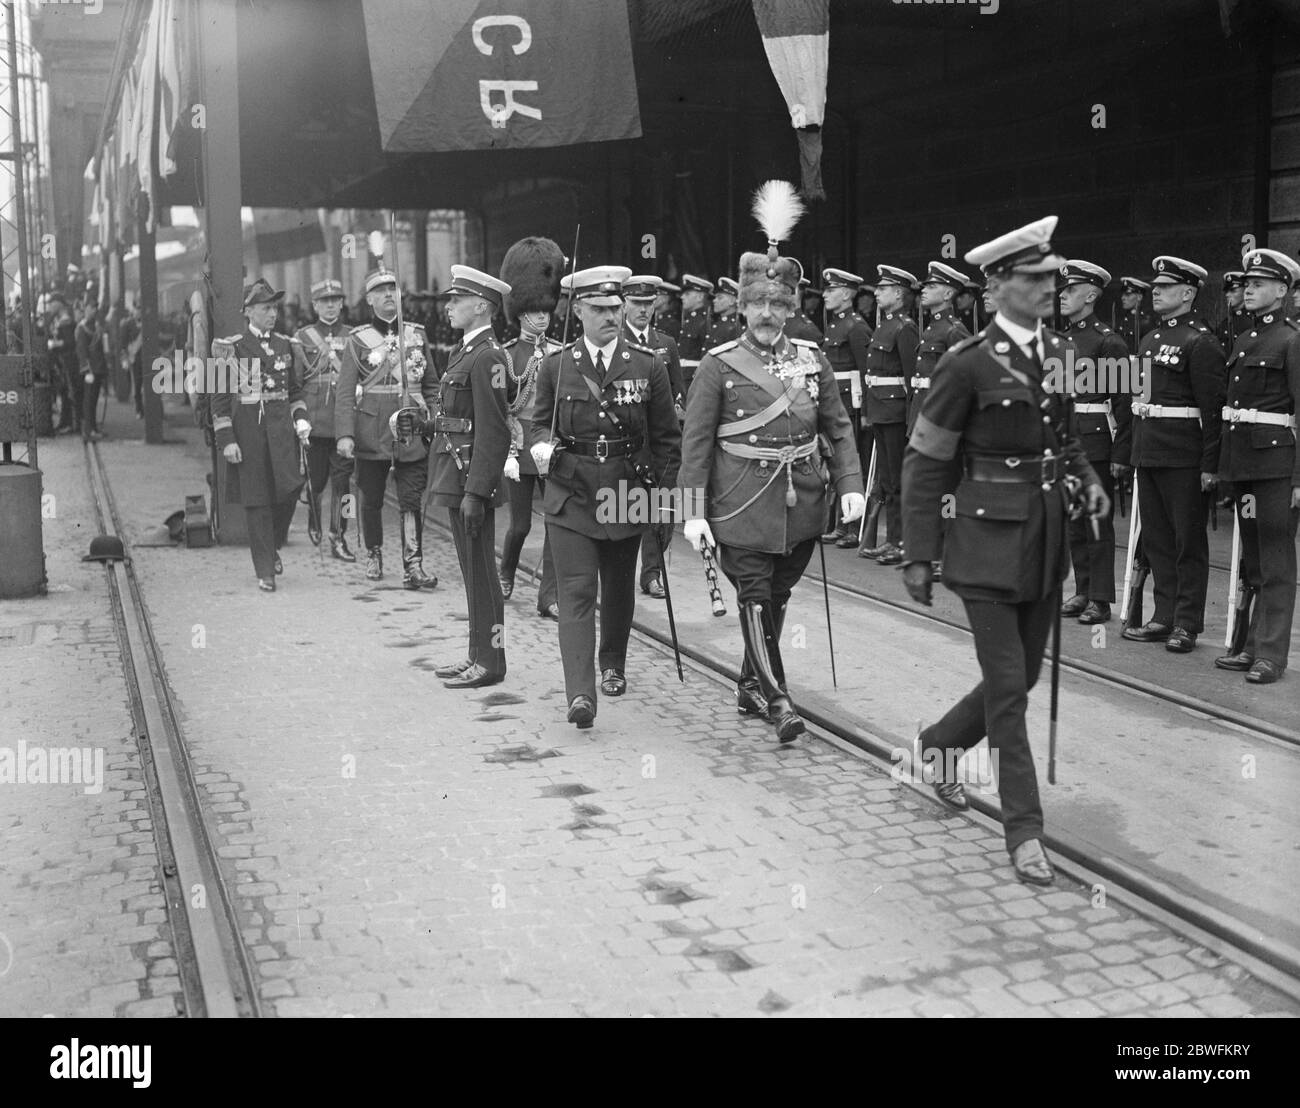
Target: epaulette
(644,349)
(803,342)
(965,344)
(727,346)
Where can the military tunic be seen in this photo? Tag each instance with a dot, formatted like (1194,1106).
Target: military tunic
(323,345)
(891,362)
(692,341)
(1260,459)
(1235,324)
(723,328)
(944,332)
(800,326)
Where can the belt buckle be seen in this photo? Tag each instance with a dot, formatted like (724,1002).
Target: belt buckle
(1011,461)
(1140,410)
(1237,413)
(1051,470)
(602,450)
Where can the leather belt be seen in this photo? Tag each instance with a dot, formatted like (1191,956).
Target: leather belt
(1016,469)
(604,448)
(884,382)
(1093,409)
(1254,415)
(781,454)
(258,397)
(453,424)
(920,382)
(1160,411)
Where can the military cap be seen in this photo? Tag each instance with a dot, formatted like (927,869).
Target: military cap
(726,286)
(1169,270)
(1027,249)
(322,290)
(1233,279)
(641,287)
(697,284)
(939,274)
(381,276)
(1133,284)
(1271,264)
(840,278)
(1078,272)
(600,285)
(974,287)
(466,281)
(260,292)
(892,275)
(668,286)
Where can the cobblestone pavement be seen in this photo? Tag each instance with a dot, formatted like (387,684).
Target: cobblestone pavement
(83,929)
(399,848)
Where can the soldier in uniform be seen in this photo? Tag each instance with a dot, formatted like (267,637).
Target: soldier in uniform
(638,299)
(751,443)
(256,422)
(471,441)
(607,433)
(800,325)
(864,303)
(1176,454)
(891,363)
(691,341)
(963,306)
(939,290)
(1104,418)
(369,393)
(845,344)
(323,343)
(532,268)
(1260,462)
(1238,319)
(725,326)
(668,311)
(991,432)
(1134,321)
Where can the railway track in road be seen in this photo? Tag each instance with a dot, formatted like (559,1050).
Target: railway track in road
(214,968)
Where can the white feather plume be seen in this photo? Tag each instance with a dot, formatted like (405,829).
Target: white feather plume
(777,207)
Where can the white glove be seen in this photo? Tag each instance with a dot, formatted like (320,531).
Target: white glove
(512,468)
(303,428)
(852,505)
(541,453)
(344,447)
(232,454)
(698,534)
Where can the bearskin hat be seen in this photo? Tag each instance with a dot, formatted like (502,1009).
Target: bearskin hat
(777,208)
(532,268)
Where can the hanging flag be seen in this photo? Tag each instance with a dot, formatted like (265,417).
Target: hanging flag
(146,111)
(796,36)
(472,75)
(286,234)
(171,90)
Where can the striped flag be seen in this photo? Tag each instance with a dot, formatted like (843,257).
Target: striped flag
(796,36)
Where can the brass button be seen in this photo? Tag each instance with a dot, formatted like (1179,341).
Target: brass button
(1006,403)
(740,411)
(600,415)
(753,438)
(979,511)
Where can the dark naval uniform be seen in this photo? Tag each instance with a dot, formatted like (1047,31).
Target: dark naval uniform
(259,414)
(471,440)
(1104,426)
(1259,459)
(800,326)
(1235,324)
(616,429)
(846,344)
(723,328)
(692,342)
(323,345)
(1132,335)
(988,431)
(891,362)
(945,331)
(1176,439)
(369,392)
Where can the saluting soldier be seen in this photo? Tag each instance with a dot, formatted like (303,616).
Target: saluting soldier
(891,362)
(471,441)
(750,445)
(1176,454)
(1260,461)
(369,394)
(638,299)
(990,431)
(532,268)
(692,339)
(1104,418)
(258,423)
(725,325)
(800,325)
(323,344)
(616,444)
(939,290)
(1134,322)
(1238,318)
(846,345)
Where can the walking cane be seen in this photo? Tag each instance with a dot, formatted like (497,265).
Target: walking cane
(826,595)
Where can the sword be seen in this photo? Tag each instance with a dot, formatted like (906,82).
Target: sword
(1234,578)
(313,505)
(1056,690)
(1134,535)
(871,482)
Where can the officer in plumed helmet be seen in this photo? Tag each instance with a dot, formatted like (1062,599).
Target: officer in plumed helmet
(755,480)
(991,431)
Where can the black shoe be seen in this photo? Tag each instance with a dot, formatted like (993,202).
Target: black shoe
(339,549)
(279,565)
(891,556)
(582,711)
(612,682)
(415,578)
(788,724)
(1237,662)
(266,584)
(875,551)
(749,698)
(834,536)
(1148,632)
(453,670)
(1181,641)
(1097,611)
(314,535)
(1264,672)
(1031,864)
(953,795)
(374,564)
(1074,605)
(654,588)
(848,541)
(476,677)
(551,611)
(507,587)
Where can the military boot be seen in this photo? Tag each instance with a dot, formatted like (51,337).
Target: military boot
(375,563)
(413,576)
(870,528)
(750,700)
(338,534)
(756,622)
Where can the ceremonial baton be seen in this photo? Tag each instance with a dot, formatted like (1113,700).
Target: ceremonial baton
(711,577)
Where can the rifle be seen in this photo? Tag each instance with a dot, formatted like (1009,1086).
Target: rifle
(564,342)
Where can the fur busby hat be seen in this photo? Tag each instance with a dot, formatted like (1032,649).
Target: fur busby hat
(532,268)
(777,208)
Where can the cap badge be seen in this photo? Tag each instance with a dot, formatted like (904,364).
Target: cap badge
(1160,265)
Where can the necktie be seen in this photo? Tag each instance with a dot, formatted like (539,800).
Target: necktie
(600,364)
